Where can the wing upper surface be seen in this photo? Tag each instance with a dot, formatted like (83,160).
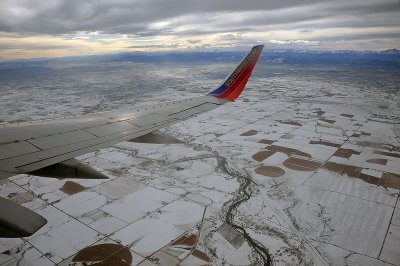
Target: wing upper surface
(28,147)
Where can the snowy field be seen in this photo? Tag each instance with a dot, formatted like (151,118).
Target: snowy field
(304,169)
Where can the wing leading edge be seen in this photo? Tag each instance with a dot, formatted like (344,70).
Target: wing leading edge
(48,148)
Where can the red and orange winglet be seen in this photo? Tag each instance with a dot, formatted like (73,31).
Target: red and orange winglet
(235,83)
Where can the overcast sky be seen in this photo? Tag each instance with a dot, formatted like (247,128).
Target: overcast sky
(48,28)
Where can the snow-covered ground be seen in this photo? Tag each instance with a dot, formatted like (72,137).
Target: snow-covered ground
(299,171)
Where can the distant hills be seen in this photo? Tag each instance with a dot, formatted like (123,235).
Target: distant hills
(383,59)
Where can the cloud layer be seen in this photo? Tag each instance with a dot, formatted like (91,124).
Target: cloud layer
(106,25)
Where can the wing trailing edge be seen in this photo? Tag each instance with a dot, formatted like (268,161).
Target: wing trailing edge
(156,137)
(236,82)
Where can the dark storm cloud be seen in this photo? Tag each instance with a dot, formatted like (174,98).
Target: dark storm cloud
(137,17)
(121,16)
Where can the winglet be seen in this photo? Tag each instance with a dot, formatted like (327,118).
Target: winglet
(235,83)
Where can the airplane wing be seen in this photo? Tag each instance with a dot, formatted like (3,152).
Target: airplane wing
(47,148)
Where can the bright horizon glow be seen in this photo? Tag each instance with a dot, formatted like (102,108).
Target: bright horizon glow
(60,28)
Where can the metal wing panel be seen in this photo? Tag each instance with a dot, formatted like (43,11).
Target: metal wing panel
(93,132)
(53,156)
(148,120)
(61,139)
(37,129)
(15,149)
(192,111)
(110,128)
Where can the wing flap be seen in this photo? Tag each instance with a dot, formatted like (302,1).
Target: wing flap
(71,168)
(156,138)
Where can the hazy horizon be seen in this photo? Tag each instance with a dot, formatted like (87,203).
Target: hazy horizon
(29,29)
